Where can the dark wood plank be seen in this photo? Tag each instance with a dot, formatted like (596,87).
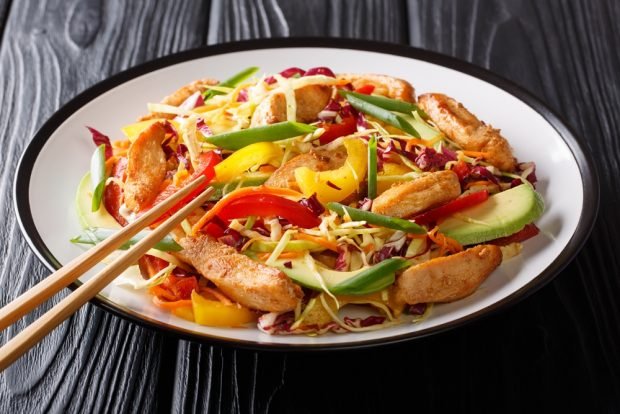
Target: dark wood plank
(566,53)
(51,51)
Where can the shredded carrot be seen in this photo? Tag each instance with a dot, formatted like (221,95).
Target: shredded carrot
(445,243)
(171,305)
(476,154)
(216,294)
(318,240)
(283,255)
(241,192)
(414,141)
(416,236)
(368,248)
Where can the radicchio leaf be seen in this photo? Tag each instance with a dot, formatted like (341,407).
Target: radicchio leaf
(321,70)
(312,203)
(101,139)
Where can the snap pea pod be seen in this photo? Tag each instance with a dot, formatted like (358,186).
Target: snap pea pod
(275,132)
(377,219)
(390,104)
(97,176)
(370,280)
(231,82)
(380,113)
(94,235)
(372,167)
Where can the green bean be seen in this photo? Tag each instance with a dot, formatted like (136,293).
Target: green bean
(231,82)
(98,176)
(372,167)
(390,104)
(275,132)
(377,219)
(380,113)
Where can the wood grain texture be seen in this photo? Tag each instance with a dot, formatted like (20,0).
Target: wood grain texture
(50,52)
(566,53)
(557,350)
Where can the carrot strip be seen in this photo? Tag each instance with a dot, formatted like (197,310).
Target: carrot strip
(413,141)
(445,243)
(235,195)
(476,154)
(171,305)
(283,255)
(162,293)
(473,183)
(318,240)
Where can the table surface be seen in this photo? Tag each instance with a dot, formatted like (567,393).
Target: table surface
(557,349)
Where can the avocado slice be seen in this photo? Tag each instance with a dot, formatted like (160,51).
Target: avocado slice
(501,215)
(83,204)
(357,282)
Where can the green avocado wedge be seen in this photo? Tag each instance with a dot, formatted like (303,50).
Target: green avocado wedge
(501,215)
(358,282)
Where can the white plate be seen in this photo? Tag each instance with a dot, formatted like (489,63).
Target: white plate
(59,155)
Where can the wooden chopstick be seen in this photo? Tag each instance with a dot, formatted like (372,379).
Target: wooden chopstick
(23,341)
(67,274)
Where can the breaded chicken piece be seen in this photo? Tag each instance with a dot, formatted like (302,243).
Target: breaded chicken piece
(462,127)
(384,85)
(245,281)
(445,279)
(319,159)
(310,100)
(146,168)
(180,95)
(409,198)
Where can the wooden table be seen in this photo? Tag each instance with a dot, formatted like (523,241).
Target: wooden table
(557,350)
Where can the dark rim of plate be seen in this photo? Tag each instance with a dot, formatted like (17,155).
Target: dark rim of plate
(583,159)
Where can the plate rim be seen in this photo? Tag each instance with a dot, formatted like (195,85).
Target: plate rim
(583,159)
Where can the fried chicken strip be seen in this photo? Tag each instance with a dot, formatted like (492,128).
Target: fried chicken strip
(462,127)
(408,198)
(146,168)
(319,159)
(445,279)
(245,281)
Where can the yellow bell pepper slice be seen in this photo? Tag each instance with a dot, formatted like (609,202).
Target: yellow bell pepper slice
(213,313)
(132,131)
(338,184)
(390,168)
(253,155)
(185,312)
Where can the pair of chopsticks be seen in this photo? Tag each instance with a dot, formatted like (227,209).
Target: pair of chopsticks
(67,274)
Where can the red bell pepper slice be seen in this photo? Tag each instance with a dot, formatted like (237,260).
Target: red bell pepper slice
(366,89)
(527,232)
(333,131)
(461,169)
(266,205)
(456,205)
(207,163)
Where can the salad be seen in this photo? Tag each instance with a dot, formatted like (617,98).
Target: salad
(342,202)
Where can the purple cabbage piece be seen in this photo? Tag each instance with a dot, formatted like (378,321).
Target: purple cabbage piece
(243,96)
(362,323)
(428,158)
(417,309)
(290,72)
(364,204)
(233,238)
(344,258)
(203,128)
(101,139)
(321,70)
(193,101)
(312,203)
(482,172)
